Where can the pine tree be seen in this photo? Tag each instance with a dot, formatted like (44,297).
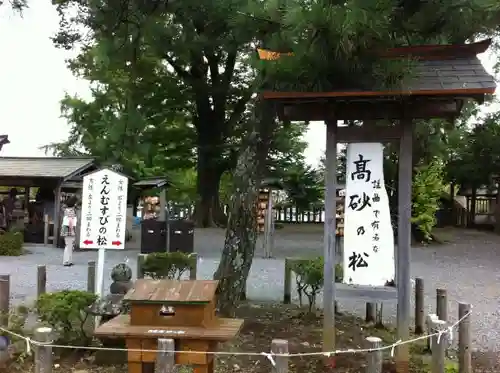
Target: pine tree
(333,45)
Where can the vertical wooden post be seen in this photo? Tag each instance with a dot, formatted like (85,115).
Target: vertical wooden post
(419,306)
(165,358)
(403,252)
(374,358)
(41,280)
(370,312)
(287,293)
(439,344)
(45,229)
(43,354)
(26,204)
(280,346)
(91,276)
(4,299)
(379,314)
(194,266)
(329,233)
(464,339)
(140,265)
(268,226)
(57,214)
(442,304)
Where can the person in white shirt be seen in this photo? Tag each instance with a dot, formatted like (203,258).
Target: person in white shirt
(68,229)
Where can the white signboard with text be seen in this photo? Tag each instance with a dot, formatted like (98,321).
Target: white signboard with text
(104,210)
(368,233)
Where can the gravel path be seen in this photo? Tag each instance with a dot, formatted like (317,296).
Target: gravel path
(468,268)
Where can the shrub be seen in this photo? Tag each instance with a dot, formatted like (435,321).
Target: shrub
(427,189)
(309,278)
(65,312)
(11,243)
(167,265)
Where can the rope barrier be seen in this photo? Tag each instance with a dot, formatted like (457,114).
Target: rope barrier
(391,347)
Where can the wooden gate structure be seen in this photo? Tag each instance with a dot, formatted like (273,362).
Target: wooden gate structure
(445,77)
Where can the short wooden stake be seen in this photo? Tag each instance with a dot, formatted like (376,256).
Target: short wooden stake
(41,280)
(280,346)
(91,276)
(442,304)
(287,295)
(374,358)
(370,312)
(419,306)
(464,339)
(4,299)
(165,358)
(379,314)
(439,345)
(46,229)
(43,350)
(194,266)
(429,322)
(140,265)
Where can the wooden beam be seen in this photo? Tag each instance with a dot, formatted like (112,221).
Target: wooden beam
(368,133)
(319,111)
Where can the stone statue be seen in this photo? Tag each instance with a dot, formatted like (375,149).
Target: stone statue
(111,305)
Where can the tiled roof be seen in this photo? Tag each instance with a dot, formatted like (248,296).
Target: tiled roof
(456,74)
(439,70)
(49,167)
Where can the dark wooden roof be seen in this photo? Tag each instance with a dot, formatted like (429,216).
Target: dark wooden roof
(152,182)
(43,167)
(441,70)
(171,291)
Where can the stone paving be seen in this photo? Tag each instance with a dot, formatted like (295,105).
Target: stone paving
(468,268)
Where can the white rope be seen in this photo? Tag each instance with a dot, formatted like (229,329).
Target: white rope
(268,355)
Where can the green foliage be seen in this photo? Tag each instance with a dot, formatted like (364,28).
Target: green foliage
(309,278)
(451,367)
(478,145)
(170,265)
(65,312)
(16,320)
(184,191)
(335,44)
(304,186)
(11,243)
(427,190)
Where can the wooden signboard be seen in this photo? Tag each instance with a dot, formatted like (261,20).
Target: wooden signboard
(181,310)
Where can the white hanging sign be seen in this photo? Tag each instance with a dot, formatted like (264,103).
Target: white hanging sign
(368,233)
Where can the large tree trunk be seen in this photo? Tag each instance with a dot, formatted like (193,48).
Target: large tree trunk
(208,212)
(241,234)
(241,231)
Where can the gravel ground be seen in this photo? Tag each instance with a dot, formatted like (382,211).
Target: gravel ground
(468,267)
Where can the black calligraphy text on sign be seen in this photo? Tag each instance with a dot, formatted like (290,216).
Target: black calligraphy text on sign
(376,222)
(102,239)
(359,203)
(361,173)
(119,217)
(88,217)
(357,260)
